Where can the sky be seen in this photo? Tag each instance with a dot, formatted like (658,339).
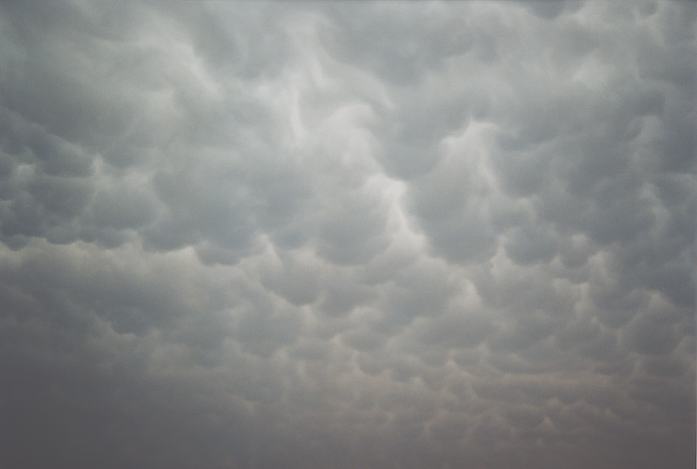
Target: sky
(320,235)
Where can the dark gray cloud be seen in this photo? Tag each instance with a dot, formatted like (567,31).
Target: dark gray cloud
(347,235)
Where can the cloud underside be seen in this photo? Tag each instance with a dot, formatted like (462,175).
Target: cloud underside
(414,235)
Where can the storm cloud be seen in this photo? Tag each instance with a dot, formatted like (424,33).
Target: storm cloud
(341,235)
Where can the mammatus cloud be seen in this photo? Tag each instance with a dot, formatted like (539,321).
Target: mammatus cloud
(413,235)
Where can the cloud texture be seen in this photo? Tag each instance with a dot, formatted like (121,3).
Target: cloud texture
(288,235)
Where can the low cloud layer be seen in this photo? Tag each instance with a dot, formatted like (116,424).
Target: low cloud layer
(308,235)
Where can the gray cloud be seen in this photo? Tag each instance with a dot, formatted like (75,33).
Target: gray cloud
(347,235)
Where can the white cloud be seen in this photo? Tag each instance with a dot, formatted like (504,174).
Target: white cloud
(347,235)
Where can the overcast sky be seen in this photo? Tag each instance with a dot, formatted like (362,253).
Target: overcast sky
(352,235)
